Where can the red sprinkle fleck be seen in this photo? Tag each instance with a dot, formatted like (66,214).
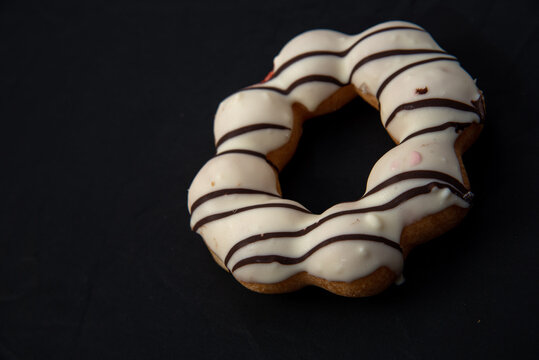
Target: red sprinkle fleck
(269,76)
(422,91)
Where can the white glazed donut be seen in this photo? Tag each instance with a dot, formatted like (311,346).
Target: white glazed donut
(428,104)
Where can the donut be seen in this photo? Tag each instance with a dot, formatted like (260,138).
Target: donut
(418,190)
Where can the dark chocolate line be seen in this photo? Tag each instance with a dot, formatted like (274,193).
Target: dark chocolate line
(300,81)
(458,127)
(245,129)
(249,152)
(434,102)
(389,205)
(225,214)
(404,68)
(337,53)
(332,80)
(224,192)
(388,53)
(418,174)
(285,260)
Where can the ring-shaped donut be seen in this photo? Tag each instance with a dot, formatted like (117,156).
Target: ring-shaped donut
(428,104)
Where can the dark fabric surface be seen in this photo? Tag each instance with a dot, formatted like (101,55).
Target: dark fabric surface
(107,115)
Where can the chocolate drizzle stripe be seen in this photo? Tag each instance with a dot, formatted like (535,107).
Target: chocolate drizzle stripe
(388,53)
(249,152)
(403,69)
(337,53)
(225,214)
(301,81)
(456,125)
(405,196)
(223,192)
(285,260)
(332,80)
(418,174)
(245,129)
(434,102)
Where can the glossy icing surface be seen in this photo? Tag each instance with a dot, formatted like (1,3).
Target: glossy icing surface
(424,97)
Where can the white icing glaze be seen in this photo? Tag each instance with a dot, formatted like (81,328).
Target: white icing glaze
(239,227)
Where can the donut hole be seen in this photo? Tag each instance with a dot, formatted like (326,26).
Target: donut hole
(334,157)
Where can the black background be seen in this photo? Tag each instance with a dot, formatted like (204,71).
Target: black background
(107,114)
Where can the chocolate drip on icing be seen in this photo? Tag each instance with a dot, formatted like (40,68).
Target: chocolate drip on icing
(336,53)
(248,128)
(415,174)
(458,127)
(230,191)
(301,81)
(418,174)
(388,53)
(249,152)
(407,195)
(332,80)
(404,68)
(285,260)
(434,102)
(225,214)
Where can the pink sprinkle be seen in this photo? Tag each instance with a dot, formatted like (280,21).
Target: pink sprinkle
(415,158)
